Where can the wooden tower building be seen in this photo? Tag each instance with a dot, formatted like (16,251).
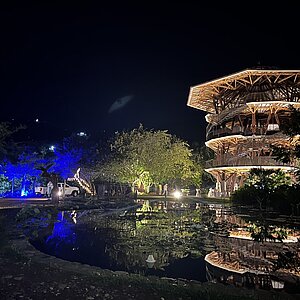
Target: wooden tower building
(245,112)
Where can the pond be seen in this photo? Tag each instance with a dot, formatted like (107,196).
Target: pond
(176,236)
(171,239)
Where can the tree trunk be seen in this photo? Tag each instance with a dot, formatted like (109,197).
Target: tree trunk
(64,189)
(13,186)
(33,186)
(54,194)
(23,186)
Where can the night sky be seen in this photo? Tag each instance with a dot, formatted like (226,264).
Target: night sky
(69,66)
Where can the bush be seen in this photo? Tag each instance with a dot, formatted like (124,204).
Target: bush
(284,198)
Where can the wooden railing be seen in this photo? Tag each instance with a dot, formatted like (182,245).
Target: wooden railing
(229,160)
(221,132)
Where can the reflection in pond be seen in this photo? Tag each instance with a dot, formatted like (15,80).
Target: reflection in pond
(157,238)
(190,240)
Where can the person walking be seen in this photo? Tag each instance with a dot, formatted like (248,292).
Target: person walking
(165,192)
(49,188)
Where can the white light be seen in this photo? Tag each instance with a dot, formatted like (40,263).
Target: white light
(74,215)
(150,259)
(52,148)
(59,193)
(36,120)
(81,133)
(273,127)
(177,194)
(277,284)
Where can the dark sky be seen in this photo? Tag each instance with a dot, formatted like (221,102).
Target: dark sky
(67,64)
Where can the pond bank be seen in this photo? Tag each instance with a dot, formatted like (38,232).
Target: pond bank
(27,273)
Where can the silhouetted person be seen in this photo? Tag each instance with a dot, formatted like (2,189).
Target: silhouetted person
(52,177)
(165,192)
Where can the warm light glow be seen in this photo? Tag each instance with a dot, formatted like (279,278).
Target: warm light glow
(177,194)
(83,183)
(248,168)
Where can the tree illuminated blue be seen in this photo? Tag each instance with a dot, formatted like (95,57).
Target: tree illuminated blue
(67,161)
(23,171)
(62,233)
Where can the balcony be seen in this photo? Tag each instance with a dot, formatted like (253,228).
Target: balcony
(236,161)
(221,132)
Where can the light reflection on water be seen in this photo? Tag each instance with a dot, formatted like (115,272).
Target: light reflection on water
(176,234)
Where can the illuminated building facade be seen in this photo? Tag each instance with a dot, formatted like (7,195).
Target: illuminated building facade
(245,112)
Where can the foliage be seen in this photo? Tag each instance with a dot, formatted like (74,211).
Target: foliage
(288,260)
(267,190)
(150,157)
(263,188)
(267,180)
(69,155)
(23,171)
(291,128)
(5,132)
(4,185)
(7,146)
(284,199)
(76,153)
(264,232)
(67,161)
(31,219)
(202,154)
(20,174)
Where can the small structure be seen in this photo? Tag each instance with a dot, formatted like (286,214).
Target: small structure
(150,259)
(245,112)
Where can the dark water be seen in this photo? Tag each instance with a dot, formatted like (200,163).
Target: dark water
(175,234)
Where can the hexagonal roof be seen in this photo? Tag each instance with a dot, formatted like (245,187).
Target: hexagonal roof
(250,85)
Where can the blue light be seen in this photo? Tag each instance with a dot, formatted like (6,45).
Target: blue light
(24,193)
(66,161)
(63,232)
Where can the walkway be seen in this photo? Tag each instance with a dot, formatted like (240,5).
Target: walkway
(21,202)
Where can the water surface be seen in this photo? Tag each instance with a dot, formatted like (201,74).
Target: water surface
(176,234)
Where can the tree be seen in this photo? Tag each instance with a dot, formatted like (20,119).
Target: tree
(7,147)
(5,132)
(290,152)
(67,161)
(77,157)
(145,157)
(23,170)
(261,187)
(75,153)
(53,177)
(202,154)
(264,189)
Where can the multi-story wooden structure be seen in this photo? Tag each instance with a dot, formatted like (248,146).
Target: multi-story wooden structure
(245,112)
